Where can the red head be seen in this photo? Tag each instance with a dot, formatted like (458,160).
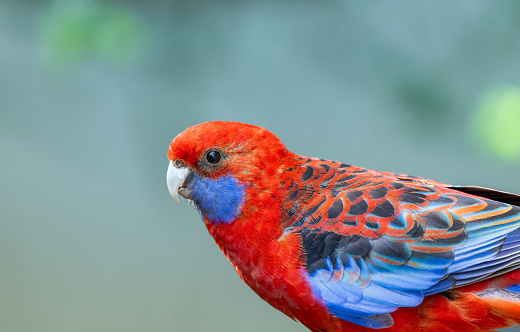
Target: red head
(244,149)
(219,165)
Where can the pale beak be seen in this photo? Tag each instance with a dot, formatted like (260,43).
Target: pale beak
(175,179)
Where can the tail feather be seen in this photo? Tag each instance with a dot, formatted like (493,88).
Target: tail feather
(506,308)
(461,311)
(472,312)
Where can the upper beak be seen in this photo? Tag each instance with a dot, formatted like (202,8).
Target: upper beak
(175,179)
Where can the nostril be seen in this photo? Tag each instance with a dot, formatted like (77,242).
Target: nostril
(179,163)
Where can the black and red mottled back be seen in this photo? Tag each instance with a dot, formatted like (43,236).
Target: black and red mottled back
(352,200)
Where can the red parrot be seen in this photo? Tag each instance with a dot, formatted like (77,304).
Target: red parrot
(343,248)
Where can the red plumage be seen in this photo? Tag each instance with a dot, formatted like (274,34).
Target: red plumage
(303,232)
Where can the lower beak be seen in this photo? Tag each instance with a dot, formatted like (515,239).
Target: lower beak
(175,178)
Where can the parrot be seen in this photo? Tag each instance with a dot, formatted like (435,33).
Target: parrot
(343,248)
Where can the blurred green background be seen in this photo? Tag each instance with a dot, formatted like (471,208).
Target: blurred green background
(92,92)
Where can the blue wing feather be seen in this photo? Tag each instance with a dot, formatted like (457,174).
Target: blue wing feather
(385,273)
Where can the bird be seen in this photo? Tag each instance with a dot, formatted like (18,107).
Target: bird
(343,248)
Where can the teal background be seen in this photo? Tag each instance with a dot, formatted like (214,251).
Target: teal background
(91,94)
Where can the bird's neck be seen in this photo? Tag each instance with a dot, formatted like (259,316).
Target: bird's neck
(247,239)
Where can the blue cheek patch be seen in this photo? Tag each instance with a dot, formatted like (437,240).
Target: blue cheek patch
(218,200)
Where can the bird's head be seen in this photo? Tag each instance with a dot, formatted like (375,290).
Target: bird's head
(215,164)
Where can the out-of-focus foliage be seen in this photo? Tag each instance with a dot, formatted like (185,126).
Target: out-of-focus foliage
(75,29)
(496,123)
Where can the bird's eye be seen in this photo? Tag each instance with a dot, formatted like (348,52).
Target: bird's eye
(213,157)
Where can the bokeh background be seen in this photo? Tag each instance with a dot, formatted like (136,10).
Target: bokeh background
(92,92)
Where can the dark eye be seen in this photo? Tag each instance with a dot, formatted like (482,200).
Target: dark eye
(213,157)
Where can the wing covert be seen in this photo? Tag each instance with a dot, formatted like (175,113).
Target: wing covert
(375,242)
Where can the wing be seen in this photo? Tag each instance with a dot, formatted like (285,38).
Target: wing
(375,242)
